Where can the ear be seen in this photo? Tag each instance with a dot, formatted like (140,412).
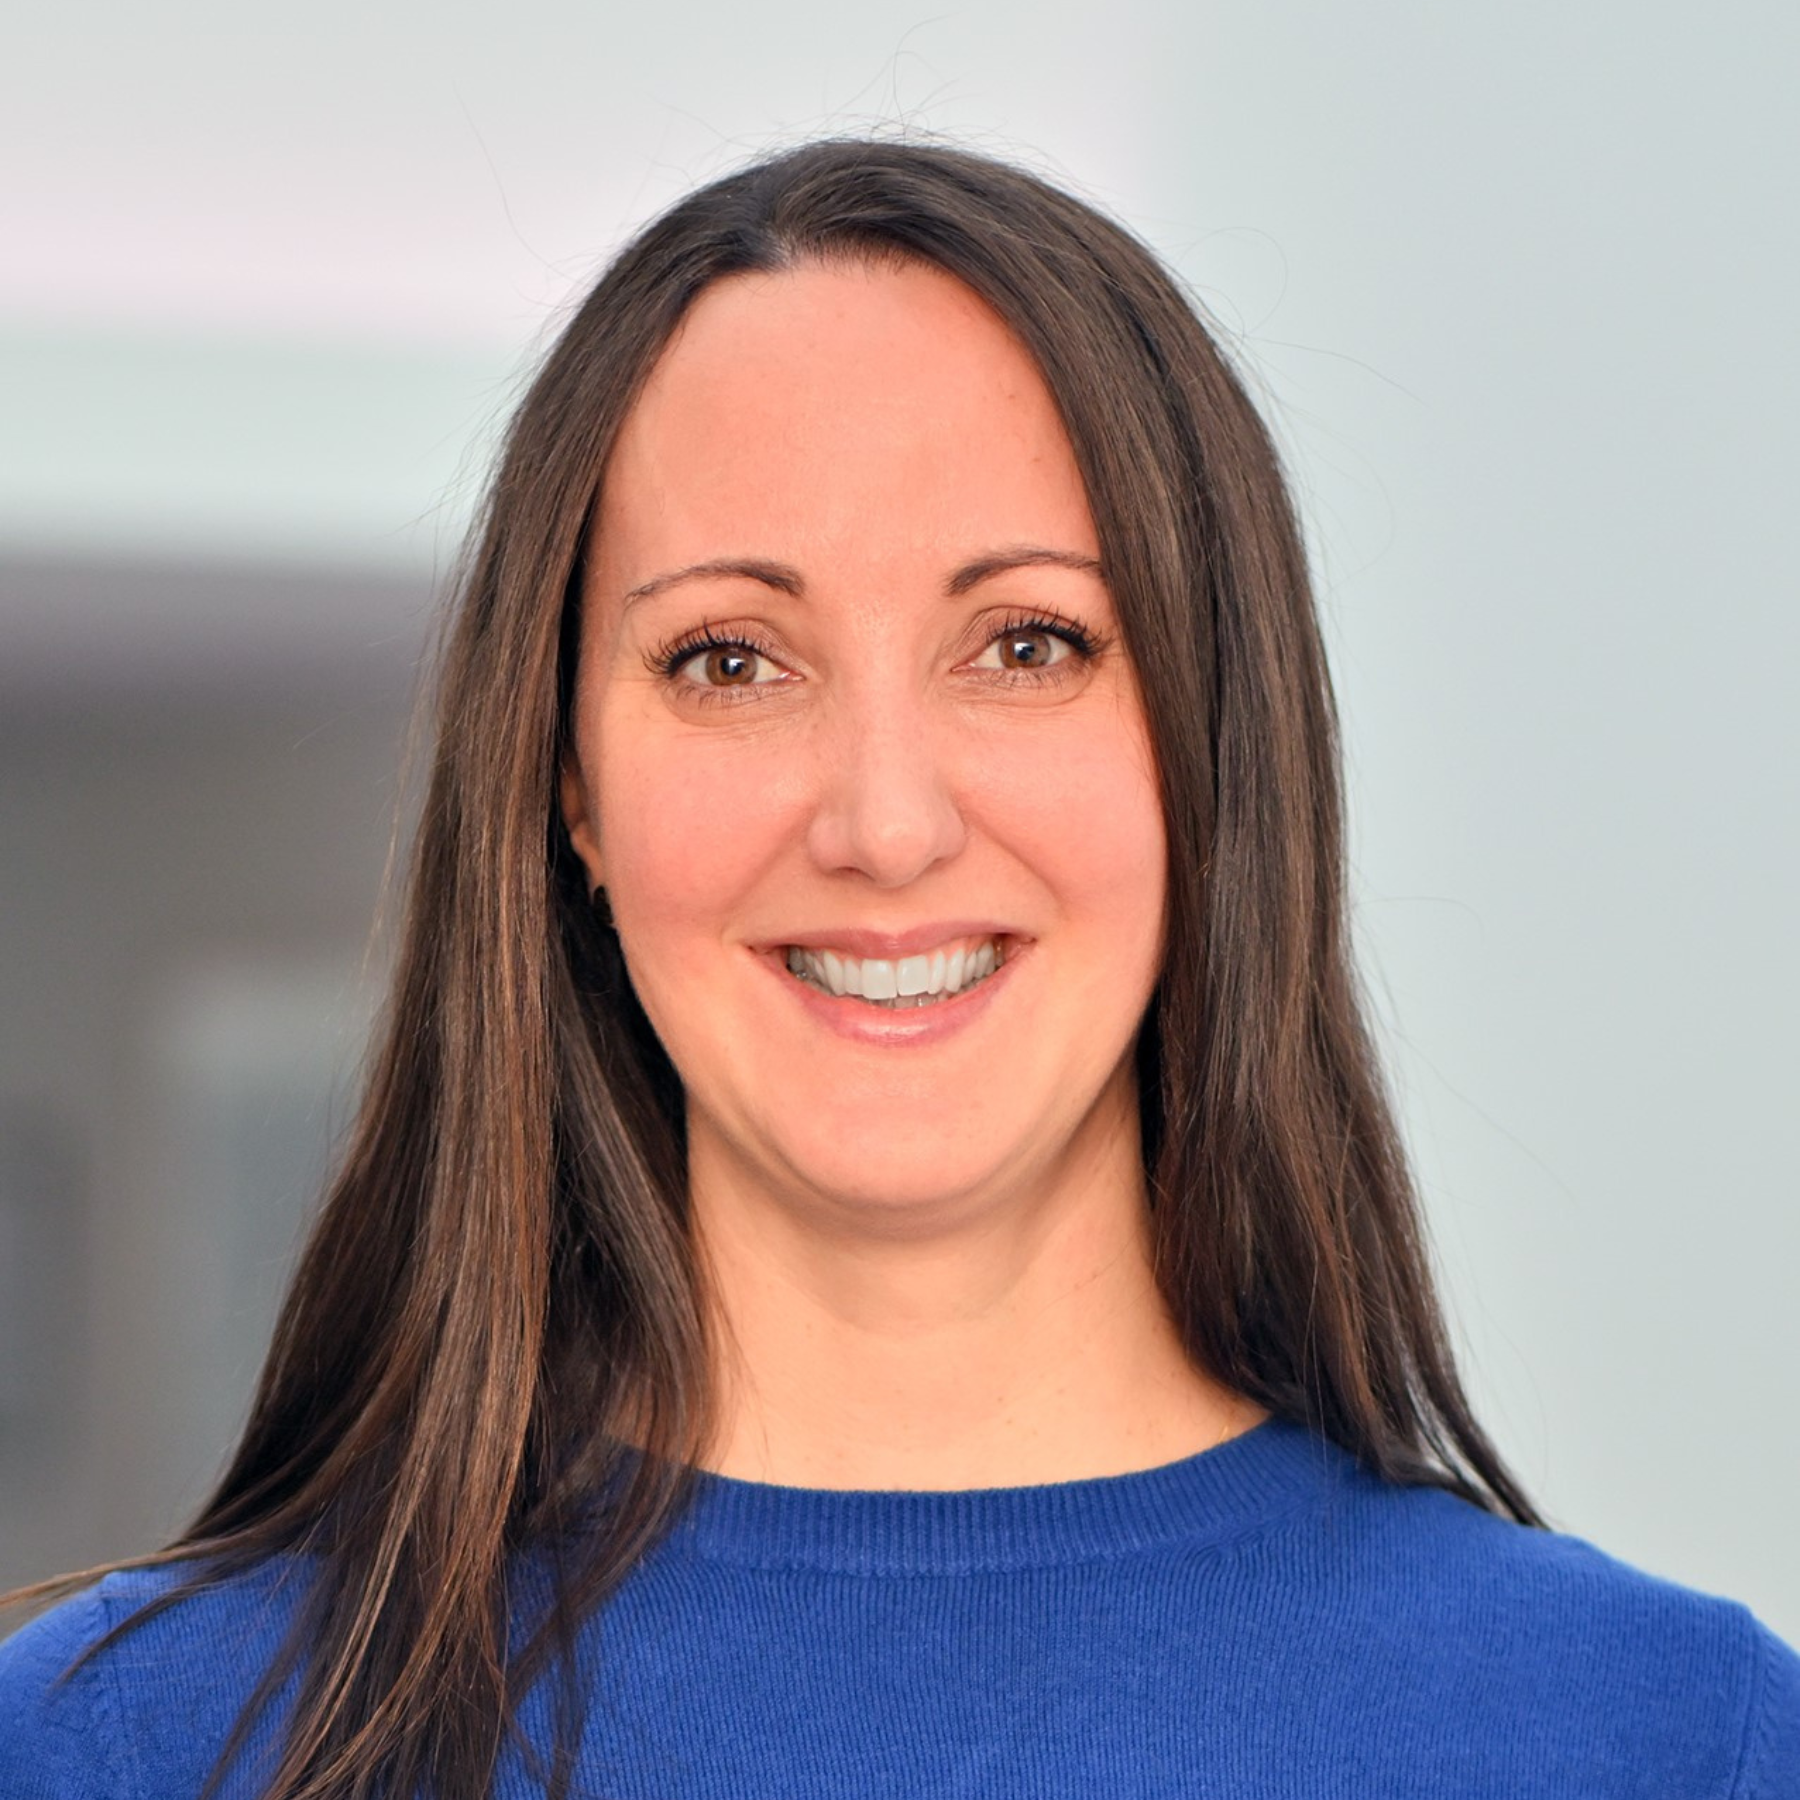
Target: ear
(579,819)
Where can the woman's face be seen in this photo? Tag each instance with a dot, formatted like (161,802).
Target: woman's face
(853,713)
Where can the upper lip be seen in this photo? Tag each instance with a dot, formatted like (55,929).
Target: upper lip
(890,946)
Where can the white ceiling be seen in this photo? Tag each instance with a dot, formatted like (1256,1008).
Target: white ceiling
(444,173)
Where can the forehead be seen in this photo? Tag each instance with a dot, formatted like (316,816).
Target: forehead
(830,405)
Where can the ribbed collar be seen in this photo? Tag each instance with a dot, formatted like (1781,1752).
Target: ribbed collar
(1271,1470)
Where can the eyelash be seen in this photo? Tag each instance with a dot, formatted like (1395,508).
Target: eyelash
(668,658)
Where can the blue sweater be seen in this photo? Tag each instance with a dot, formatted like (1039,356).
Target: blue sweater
(1261,1620)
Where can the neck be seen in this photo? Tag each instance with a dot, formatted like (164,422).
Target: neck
(1023,1341)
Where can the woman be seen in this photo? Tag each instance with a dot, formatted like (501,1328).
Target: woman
(875,1259)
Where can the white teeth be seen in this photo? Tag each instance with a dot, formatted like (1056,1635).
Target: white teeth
(909,981)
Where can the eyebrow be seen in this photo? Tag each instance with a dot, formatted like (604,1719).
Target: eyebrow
(786,580)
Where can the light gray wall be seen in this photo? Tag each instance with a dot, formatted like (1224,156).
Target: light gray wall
(1515,282)
(188,893)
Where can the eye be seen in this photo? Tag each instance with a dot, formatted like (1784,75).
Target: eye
(1032,647)
(722,666)
(712,664)
(1024,650)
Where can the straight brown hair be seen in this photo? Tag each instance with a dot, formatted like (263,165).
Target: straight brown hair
(495,1339)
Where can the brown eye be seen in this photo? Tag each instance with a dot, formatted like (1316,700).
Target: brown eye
(717,666)
(1026,649)
(1023,650)
(730,667)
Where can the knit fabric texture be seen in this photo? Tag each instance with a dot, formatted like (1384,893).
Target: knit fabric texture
(1264,1621)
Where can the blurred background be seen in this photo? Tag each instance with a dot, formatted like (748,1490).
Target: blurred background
(1515,287)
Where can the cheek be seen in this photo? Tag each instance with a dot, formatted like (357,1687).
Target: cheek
(1085,813)
(686,834)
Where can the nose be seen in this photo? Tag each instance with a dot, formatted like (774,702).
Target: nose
(885,807)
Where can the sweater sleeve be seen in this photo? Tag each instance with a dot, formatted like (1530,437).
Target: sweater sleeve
(60,1738)
(1770,1769)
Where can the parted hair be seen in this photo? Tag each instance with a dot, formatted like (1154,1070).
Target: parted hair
(494,1344)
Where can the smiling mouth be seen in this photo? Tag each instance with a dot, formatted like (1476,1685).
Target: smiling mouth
(908,982)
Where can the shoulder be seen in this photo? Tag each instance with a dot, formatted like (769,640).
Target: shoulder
(60,1735)
(1443,1558)
(1551,1642)
(131,1688)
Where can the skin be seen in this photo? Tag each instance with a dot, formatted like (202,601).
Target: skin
(927,1264)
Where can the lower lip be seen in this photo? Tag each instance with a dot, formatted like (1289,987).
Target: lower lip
(908,1027)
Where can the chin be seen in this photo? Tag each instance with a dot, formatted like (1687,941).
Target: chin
(879,1183)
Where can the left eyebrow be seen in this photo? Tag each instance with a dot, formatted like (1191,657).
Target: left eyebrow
(1025,556)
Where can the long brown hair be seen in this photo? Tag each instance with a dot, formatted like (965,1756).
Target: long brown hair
(501,1273)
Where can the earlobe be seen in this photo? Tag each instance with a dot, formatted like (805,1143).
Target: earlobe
(579,823)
